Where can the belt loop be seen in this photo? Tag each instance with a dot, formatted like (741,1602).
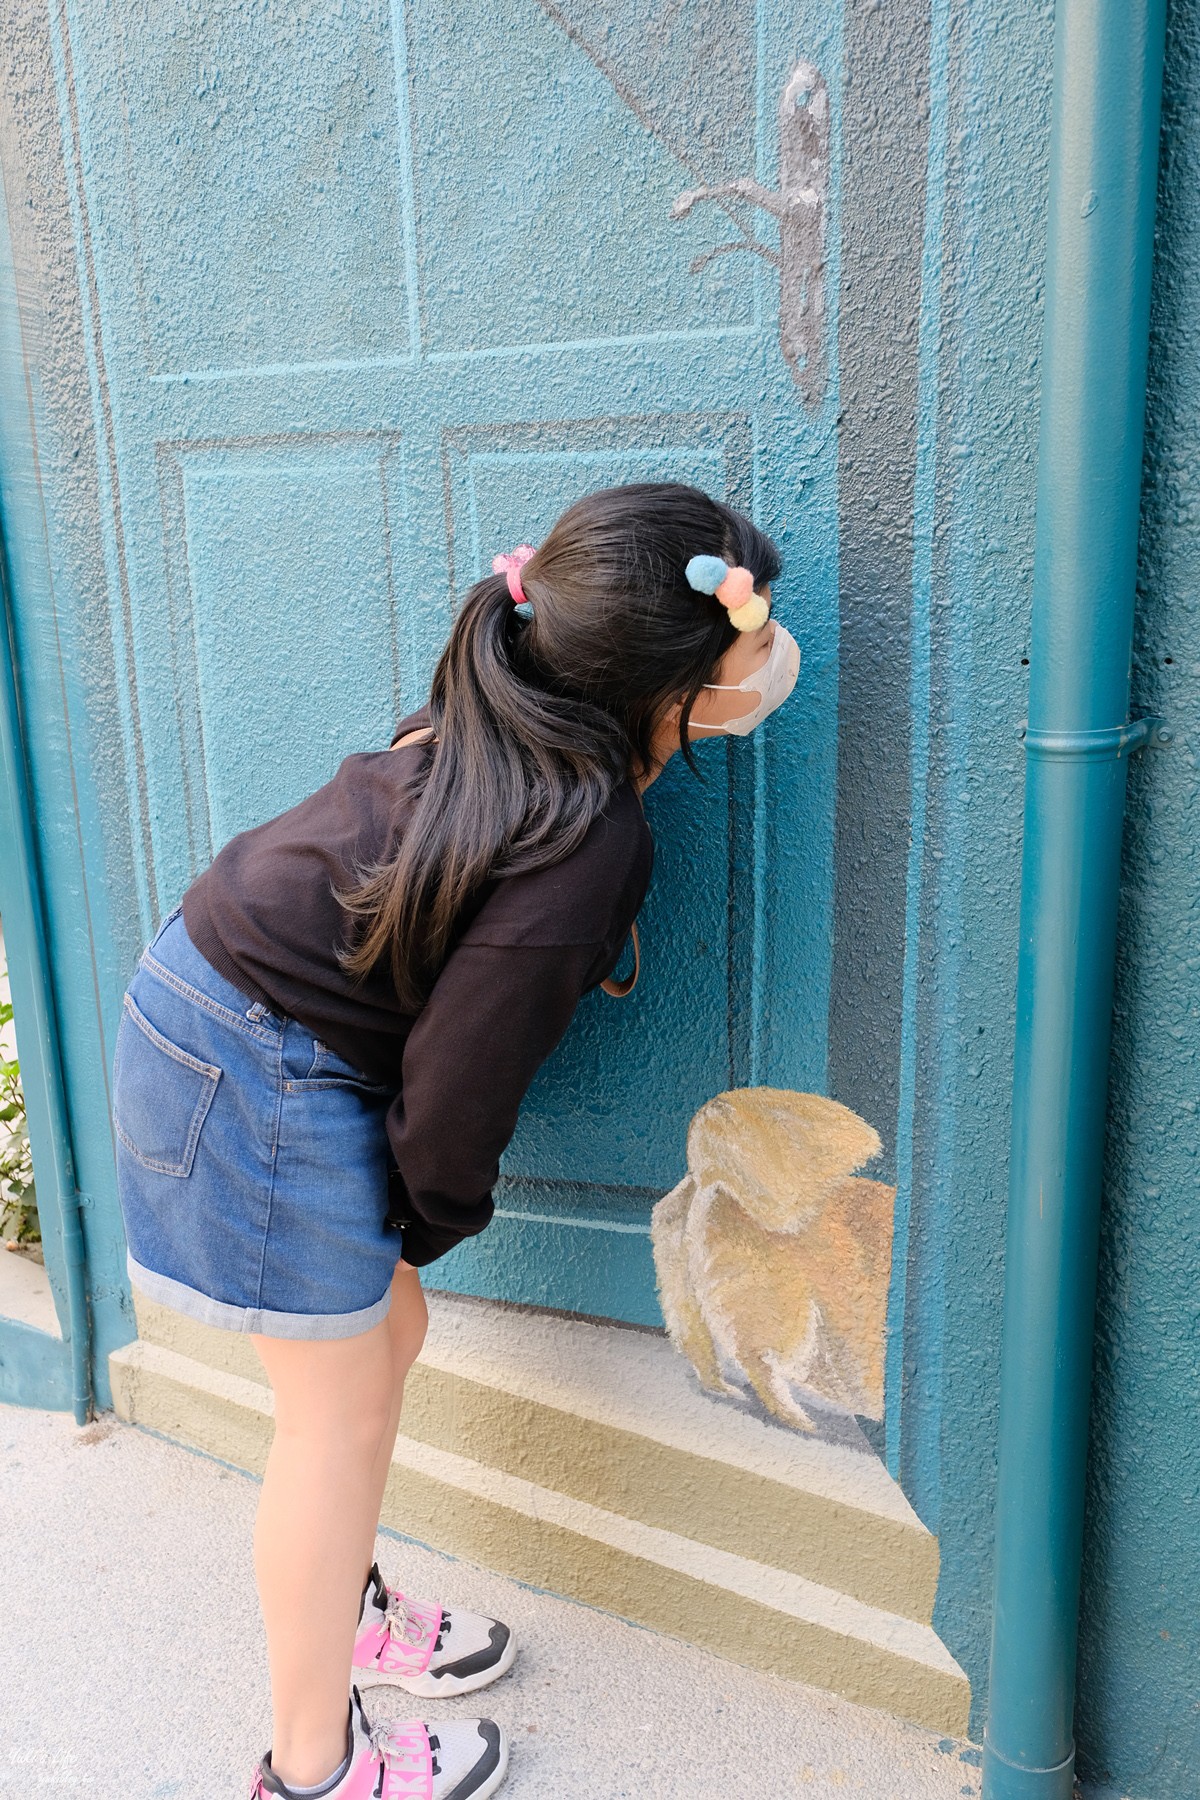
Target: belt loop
(257,1010)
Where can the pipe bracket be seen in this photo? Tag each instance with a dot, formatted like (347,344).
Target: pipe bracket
(1150,733)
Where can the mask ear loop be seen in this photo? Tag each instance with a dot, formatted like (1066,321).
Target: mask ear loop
(754,683)
(746,685)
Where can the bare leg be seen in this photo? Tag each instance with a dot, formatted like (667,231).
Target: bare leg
(407,1321)
(316,1523)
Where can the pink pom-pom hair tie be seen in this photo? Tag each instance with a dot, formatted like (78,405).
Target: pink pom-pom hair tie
(511,562)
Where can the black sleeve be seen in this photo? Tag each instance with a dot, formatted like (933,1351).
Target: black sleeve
(494,1014)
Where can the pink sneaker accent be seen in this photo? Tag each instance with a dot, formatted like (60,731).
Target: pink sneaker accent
(407,1761)
(391,1760)
(402,1640)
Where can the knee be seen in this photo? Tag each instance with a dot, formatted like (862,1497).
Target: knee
(344,1440)
(335,1395)
(352,1429)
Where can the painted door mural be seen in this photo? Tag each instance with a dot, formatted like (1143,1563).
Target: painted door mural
(380,290)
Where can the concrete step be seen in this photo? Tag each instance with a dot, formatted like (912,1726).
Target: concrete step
(614,1417)
(755,1613)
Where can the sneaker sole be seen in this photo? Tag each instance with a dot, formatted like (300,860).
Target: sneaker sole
(439,1687)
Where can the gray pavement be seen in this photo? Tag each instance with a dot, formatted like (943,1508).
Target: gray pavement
(132,1664)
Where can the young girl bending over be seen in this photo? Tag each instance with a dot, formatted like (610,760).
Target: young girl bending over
(323,1051)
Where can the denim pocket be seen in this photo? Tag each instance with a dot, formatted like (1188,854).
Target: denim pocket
(161,1094)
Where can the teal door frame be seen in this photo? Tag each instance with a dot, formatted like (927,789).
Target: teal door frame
(37,1368)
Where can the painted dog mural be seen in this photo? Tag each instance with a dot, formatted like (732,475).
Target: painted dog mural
(774,1255)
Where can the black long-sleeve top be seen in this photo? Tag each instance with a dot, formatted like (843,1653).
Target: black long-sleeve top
(265,916)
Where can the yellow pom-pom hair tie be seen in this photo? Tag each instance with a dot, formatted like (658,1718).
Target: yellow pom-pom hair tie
(734,588)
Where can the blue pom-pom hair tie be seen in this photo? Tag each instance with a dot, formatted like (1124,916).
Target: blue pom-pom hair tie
(733,587)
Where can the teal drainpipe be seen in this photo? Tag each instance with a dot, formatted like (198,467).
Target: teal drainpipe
(1108,64)
(39,1043)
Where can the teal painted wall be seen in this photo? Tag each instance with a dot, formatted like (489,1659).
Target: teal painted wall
(342,332)
(1138,1718)
(980,308)
(884,821)
(1140,1639)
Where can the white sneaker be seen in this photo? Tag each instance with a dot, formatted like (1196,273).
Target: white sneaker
(424,1648)
(404,1759)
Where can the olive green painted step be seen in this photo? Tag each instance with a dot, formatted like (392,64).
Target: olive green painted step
(757,1615)
(613,1417)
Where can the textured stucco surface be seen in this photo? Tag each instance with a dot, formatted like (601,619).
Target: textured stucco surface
(947,106)
(885,130)
(614,1418)
(982,546)
(70,677)
(1137,1712)
(154,1545)
(756,1615)
(1139,1700)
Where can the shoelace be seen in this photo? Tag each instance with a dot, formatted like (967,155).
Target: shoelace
(382,1742)
(400,1622)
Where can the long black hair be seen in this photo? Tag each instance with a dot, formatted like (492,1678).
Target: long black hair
(540,718)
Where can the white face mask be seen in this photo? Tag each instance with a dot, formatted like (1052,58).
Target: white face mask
(773,683)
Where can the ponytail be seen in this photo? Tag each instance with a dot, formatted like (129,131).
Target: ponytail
(539,718)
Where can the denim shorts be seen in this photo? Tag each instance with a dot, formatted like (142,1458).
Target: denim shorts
(252,1161)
